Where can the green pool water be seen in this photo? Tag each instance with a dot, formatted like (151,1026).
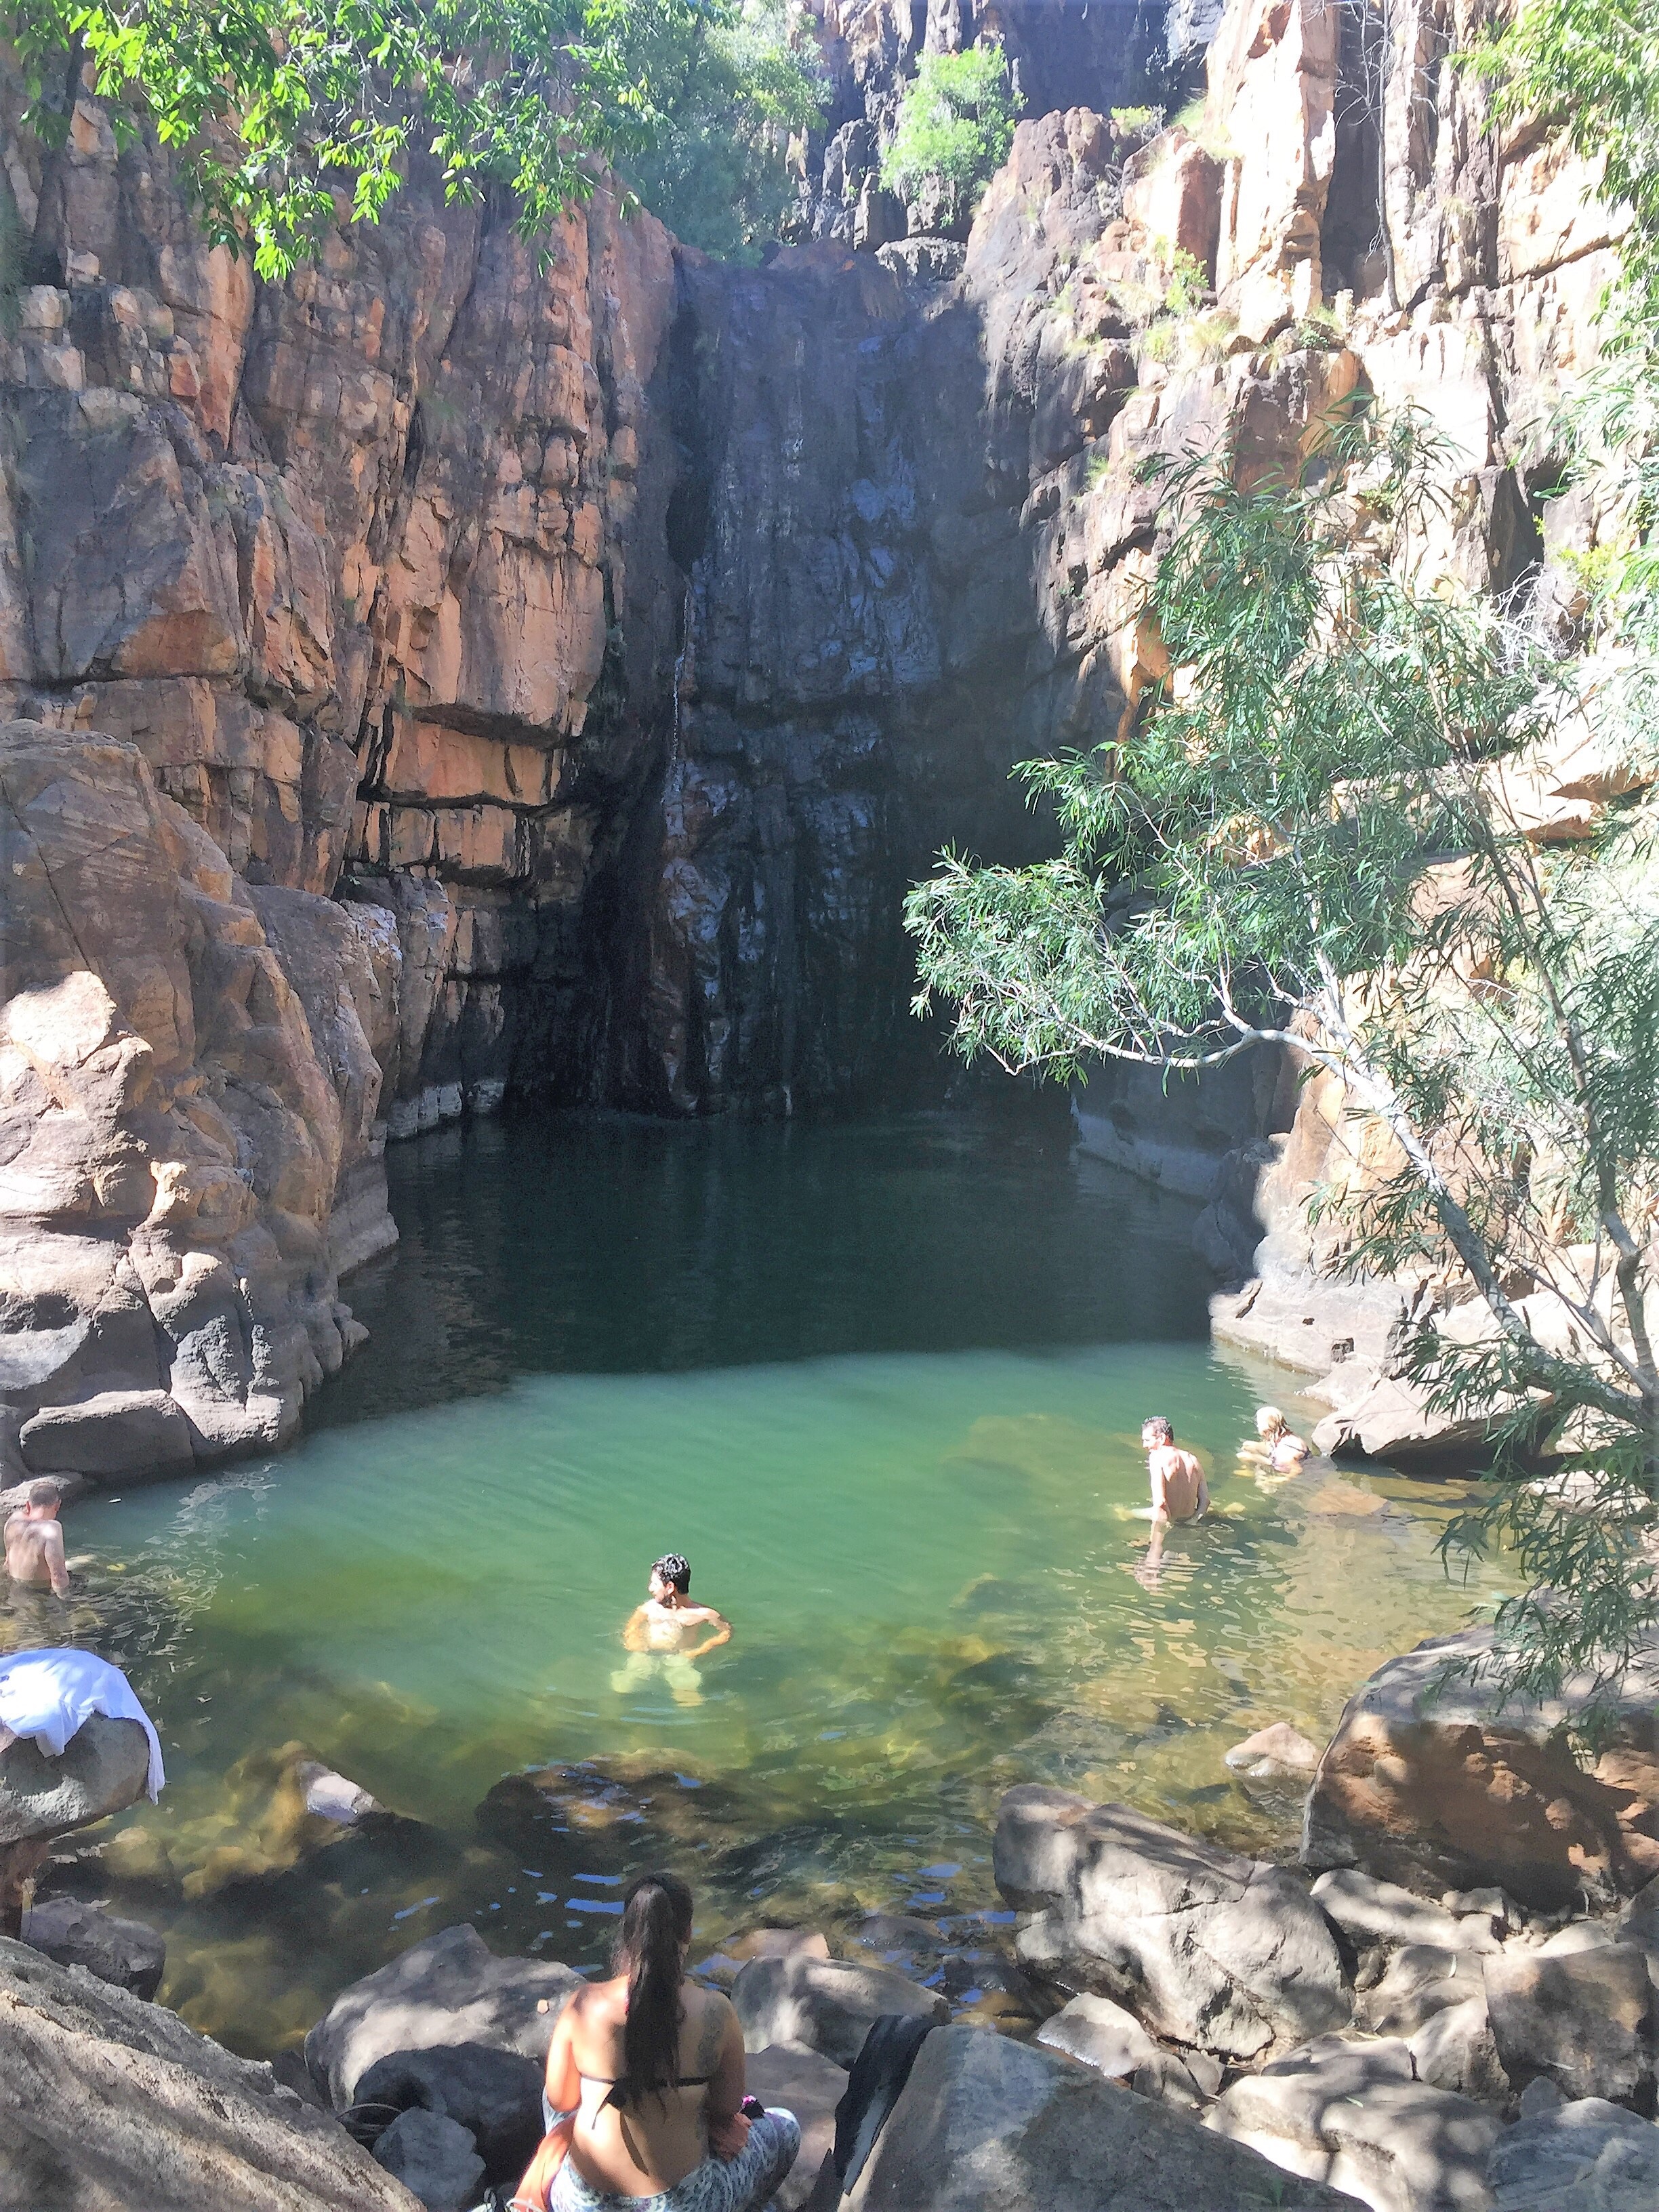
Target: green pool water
(882,1386)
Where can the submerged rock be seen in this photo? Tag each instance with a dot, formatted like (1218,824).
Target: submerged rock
(1207,1949)
(124,1953)
(450,1990)
(1352,2115)
(1427,1783)
(111,2104)
(986,2125)
(825,2005)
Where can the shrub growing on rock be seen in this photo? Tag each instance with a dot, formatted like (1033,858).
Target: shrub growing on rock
(956,125)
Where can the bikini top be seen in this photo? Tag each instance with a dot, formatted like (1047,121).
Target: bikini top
(622,2087)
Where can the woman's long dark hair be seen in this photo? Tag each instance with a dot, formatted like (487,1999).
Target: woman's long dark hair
(656,1921)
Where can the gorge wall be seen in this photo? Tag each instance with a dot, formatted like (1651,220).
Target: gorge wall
(450,675)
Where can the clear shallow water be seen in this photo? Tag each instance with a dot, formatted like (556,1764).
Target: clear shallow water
(883,1385)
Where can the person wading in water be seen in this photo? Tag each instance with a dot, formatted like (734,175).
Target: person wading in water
(651,2068)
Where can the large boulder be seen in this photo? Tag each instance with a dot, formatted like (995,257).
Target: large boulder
(987,2124)
(126,1953)
(811,2087)
(1583,2020)
(1590,2156)
(825,2005)
(1434,1783)
(495,2095)
(1354,2115)
(451,1989)
(1210,1949)
(111,2104)
(102,1771)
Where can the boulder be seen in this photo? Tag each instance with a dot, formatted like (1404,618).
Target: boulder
(1455,2048)
(436,2160)
(987,2124)
(1210,1949)
(495,2095)
(1432,1781)
(102,1771)
(124,1953)
(111,2104)
(825,2005)
(778,1943)
(811,2087)
(1584,2021)
(451,1989)
(113,1433)
(1368,1911)
(1100,2035)
(1352,2114)
(1421,1980)
(1590,2156)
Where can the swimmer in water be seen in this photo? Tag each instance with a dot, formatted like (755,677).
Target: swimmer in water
(34,1541)
(662,1633)
(1179,1490)
(1277,1447)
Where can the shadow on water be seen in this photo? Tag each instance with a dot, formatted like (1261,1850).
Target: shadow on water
(883,1385)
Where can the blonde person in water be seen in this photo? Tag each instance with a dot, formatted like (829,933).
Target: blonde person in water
(663,1634)
(1276,1449)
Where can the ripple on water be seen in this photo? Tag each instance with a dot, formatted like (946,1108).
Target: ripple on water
(883,1388)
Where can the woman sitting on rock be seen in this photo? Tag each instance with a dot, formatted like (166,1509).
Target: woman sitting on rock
(649,2067)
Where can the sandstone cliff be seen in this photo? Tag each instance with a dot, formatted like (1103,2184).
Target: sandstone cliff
(546,678)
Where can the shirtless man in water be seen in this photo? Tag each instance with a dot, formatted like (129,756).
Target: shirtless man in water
(662,1631)
(1179,1490)
(34,1540)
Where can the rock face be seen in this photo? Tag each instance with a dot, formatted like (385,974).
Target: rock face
(1584,2022)
(1426,1785)
(176,1121)
(985,2124)
(450,1990)
(102,1771)
(1205,1948)
(574,664)
(110,2104)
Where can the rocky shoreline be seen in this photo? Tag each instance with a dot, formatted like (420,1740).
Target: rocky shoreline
(1446,2003)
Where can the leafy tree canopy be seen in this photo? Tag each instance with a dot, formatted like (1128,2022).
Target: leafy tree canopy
(270,103)
(955,123)
(730,91)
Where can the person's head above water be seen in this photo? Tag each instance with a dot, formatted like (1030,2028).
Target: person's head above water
(650,1949)
(670,1572)
(1155,1431)
(1270,1422)
(43,1500)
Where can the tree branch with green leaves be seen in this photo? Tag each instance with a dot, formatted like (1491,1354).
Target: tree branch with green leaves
(1316,834)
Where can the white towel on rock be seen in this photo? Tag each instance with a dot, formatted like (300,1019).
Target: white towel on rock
(48,1694)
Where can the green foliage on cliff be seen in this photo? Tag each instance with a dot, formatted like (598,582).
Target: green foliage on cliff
(730,92)
(955,123)
(1318,838)
(273,105)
